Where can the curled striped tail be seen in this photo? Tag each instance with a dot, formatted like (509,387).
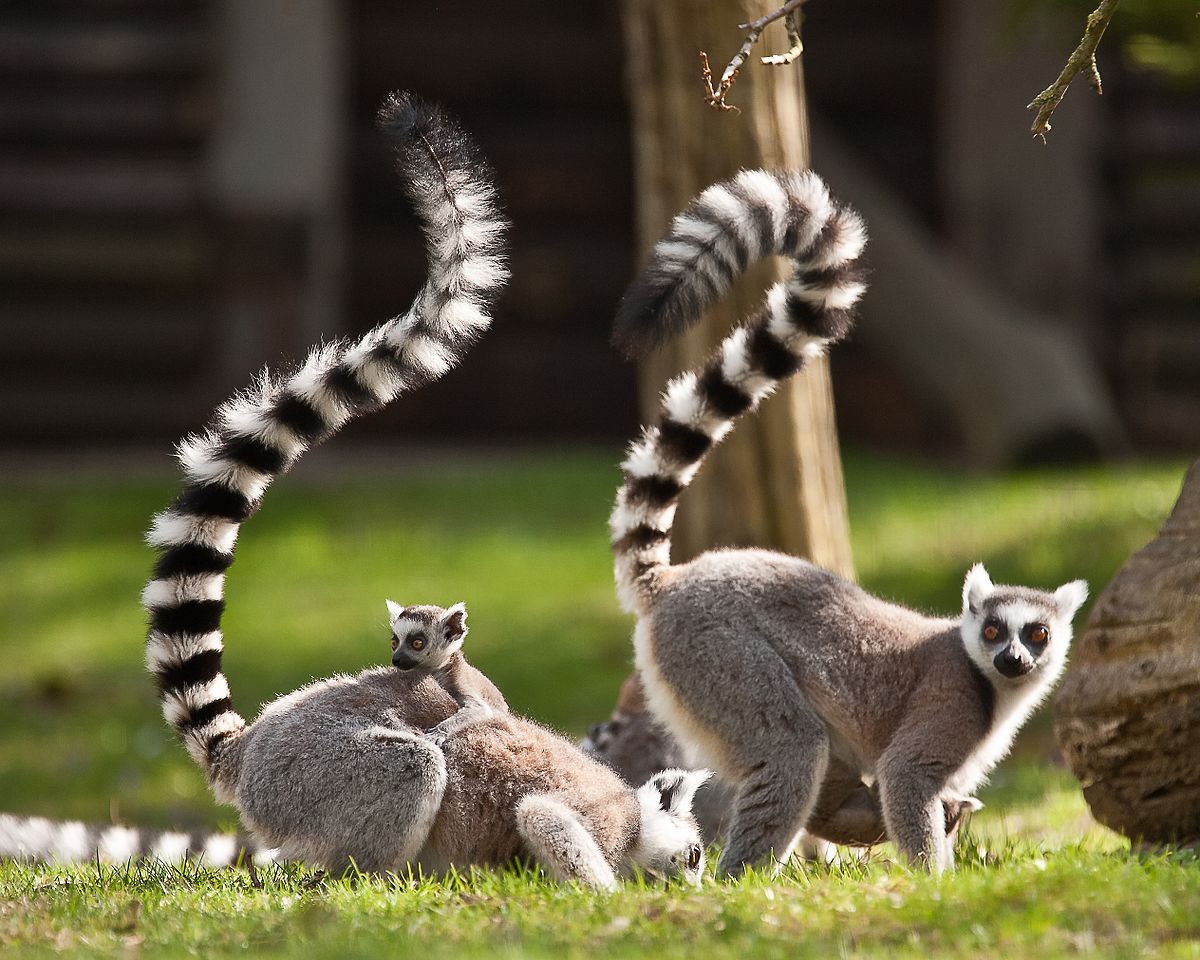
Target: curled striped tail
(259,433)
(708,246)
(40,840)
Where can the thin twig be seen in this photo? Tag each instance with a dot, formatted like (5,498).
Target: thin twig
(792,20)
(715,96)
(1083,58)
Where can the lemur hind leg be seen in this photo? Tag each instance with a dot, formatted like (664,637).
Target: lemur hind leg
(557,840)
(365,796)
(777,794)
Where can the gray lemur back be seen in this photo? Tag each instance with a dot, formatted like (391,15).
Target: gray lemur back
(799,688)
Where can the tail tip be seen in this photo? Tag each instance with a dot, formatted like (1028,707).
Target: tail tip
(641,326)
(404,115)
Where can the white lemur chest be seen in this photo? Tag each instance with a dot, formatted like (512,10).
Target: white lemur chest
(1011,708)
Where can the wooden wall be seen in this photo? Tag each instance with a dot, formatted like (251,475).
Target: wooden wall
(134,296)
(105,242)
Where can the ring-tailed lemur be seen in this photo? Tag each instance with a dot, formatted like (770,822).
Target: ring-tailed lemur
(430,639)
(791,682)
(340,771)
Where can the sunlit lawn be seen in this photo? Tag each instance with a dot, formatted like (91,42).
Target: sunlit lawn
(522,541)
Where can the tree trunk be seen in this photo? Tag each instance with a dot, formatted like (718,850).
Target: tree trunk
(777,482)
(1128,714)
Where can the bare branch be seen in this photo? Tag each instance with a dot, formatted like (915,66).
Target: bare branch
(1083,58)
(792,20)
(715,96)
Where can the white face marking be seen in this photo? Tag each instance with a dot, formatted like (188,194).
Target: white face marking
(669,841)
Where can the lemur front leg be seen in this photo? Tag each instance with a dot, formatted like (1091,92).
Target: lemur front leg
(914,813)
(561,844)
(472,711)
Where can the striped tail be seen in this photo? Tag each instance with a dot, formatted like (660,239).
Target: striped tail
(40,840)
(708,247)
(259,433)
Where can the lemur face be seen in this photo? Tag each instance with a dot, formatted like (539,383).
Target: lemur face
(426,636)
(1014,631)
(669,842)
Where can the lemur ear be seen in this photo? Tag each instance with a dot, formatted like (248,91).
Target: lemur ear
(395,611)
(976,588)
(676,789)
(455,621)
(1070,596)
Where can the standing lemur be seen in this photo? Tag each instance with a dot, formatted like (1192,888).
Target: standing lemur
(419,764)
(791,682)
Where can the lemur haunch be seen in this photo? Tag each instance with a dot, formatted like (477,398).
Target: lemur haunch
(340,771)
(791,682)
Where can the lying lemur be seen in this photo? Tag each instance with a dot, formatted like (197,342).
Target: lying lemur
(501,787)
(342,771)
(790,682)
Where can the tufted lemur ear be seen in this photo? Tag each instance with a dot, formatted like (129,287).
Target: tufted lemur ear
(395,611)
(454,622)
(676,789)
(977,587)
(1070,597)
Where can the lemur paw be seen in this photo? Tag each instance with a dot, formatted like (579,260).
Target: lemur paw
(438,736)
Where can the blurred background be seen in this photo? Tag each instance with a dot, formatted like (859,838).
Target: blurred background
(192,188)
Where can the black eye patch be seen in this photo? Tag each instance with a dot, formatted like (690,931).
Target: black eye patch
(994,630)
(1035,636)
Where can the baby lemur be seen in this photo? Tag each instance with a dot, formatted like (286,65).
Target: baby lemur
(429,639)
(340,771)
(793,684)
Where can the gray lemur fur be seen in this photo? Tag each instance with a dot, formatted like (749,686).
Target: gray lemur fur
(793,684)
(341,771)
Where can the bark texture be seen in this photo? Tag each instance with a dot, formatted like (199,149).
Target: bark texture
(777,482)
(1128,714)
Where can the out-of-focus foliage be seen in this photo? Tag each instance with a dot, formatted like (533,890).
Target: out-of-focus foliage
(1158,35)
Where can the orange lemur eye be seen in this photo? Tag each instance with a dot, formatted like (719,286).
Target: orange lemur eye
(1039,634)
(991,632)
(417,643)
(395,642)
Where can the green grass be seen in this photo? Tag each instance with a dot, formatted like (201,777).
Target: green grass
(524,544)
